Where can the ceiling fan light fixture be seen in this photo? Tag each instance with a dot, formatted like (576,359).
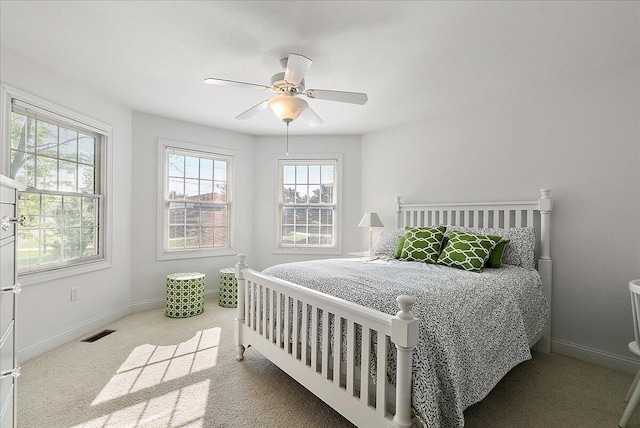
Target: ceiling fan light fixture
(287,107)
(290,85)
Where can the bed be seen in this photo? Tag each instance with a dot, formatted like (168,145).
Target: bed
(334,326)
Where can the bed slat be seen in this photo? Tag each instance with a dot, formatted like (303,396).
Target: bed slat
(294,330)
(270,334)
(303,333)
(325,344)
(287,321)
(381,370)
(279,319)
(250,305)
(258,324)
(255,305)
(314,338)
(364,364)
(351,338)
(337,334)
(263,293)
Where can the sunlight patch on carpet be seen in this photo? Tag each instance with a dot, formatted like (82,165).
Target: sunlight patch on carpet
(149,365)
(184,407)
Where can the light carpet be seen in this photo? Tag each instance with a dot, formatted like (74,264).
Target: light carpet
(156,371)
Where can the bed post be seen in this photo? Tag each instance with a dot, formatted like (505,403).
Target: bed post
(404,333)
(544,263)
(240,314)
(398,213)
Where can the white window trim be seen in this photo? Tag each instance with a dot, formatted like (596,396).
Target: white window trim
(337,248)
(8,92)
(162,217)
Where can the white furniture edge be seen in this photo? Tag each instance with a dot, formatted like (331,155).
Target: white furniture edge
(312,366)
(9,339)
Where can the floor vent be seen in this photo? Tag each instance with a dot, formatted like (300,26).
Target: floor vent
(98,336)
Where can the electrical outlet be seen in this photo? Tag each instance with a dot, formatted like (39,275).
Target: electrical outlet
(74,293)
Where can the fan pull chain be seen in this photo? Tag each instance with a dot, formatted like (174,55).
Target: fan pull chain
(288,122)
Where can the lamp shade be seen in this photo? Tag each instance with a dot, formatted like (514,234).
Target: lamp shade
(370,220)
(287,107)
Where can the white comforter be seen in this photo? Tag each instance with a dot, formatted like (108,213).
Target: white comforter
(474,327)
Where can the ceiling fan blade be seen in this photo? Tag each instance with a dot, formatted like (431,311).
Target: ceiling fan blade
(225,82)
(252,111)
(297,67)
(341,96)
(311,117)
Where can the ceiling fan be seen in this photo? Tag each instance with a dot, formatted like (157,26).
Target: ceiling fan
(289,85)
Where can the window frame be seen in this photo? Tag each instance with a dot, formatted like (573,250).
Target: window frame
(163,253)
(280,161)
(103,181)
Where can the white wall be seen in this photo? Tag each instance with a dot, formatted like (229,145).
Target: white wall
(254,196)
(261,253)
(46,315)
(148,274)
(578,137)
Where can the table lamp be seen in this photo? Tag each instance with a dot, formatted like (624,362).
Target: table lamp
(370,220)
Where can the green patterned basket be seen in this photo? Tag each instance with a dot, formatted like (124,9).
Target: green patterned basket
(228,288)
(185,294)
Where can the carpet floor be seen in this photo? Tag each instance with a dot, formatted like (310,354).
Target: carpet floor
(155,371)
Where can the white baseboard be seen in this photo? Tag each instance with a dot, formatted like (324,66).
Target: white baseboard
(592,355)
(145,305)
(93,324)
(70,334)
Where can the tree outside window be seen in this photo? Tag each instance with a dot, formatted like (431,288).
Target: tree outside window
(59,164)
(308,203)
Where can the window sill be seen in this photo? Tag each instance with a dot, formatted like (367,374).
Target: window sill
(308,251)
(62,272)
(195,254)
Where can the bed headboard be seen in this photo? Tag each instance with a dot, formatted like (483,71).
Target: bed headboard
(497,215)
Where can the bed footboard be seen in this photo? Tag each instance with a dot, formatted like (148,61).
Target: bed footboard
(334,348)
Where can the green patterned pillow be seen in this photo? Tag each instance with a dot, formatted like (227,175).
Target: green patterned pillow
(495,258)
(422,243)
(399,247)
(467,251)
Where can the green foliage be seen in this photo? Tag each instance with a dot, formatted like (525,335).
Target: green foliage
(320,194)
(61,226)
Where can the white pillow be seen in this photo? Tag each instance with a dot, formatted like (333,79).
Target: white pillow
(520,251)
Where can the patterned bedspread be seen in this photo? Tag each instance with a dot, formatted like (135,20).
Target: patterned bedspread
(474,327)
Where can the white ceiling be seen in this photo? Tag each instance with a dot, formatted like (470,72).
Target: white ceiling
(413,59)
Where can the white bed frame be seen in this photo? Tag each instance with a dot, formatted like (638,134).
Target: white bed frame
(263,323)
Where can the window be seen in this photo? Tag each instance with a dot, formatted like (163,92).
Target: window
(308,204)
(59,161)
(196,199)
